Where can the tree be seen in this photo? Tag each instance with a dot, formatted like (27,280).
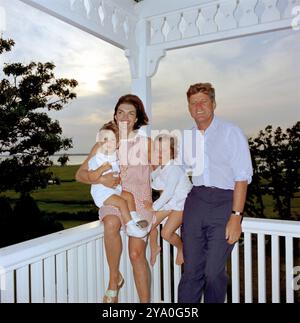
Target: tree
(276,164)
(27,134)
(63,160)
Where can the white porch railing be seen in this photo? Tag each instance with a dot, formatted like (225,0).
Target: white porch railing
(70,266)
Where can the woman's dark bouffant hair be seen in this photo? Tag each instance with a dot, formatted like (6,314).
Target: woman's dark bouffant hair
(142,118)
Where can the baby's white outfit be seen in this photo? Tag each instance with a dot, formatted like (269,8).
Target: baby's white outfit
(99,192)
(173,181)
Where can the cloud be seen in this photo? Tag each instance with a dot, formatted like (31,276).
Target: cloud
(255,85)
(256,78)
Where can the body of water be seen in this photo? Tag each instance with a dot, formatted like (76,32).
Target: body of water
(73,159)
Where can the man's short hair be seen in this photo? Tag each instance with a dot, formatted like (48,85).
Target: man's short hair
(205,88)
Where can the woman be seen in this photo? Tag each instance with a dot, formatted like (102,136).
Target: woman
(135,156)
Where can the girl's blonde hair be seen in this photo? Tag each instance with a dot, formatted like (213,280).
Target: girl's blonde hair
(172,142)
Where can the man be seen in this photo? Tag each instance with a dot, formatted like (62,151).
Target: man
(213,210)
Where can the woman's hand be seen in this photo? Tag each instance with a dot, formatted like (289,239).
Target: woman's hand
(110,180)
(148,205)
(104,168)
(94,175)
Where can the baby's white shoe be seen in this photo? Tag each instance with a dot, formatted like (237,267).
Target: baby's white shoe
(137,219)
(134,230)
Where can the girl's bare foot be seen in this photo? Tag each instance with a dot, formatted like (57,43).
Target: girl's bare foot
(154,253)
(179,258)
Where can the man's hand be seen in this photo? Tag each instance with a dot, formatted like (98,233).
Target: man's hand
(233,229)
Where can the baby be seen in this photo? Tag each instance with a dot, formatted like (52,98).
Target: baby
(102,195)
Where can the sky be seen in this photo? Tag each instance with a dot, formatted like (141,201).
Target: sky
(257,78)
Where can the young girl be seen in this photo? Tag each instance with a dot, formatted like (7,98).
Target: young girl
(102,195)
(175,186)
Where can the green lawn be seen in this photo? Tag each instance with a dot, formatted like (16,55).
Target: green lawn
(72,197)
(69,196)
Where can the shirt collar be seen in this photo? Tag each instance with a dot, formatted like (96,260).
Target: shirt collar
(211,127)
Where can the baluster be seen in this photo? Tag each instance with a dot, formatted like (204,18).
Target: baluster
(61,277)
(91,272)
(291,4)
(248,267)
(99,270)
(156,274)
(36,279)
(176,273)
(190,18)
(173,23)
(157,25)
(249,17)
(82,273)
(8,284)
(261,259)
(289,272)
(23,285)
(225,17)
(49,280)
(271,11)
(72,261)
(206,20)
(275,269)
(167,271)
(235,273)
(123,260)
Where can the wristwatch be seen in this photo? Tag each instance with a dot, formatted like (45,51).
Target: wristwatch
(237,213)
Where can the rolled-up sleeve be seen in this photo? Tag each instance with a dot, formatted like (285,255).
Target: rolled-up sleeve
(240,161)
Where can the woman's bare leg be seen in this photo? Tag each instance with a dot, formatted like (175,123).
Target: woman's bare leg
(141,270)
(154,247)
(113,248)
(168,233)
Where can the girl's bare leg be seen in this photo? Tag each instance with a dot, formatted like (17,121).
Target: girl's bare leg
(132,207)
(168,233)
(154,246)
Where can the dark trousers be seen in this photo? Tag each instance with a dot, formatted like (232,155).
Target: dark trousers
(205,249)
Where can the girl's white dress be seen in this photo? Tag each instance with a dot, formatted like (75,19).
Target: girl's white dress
(173,181)
(99,192)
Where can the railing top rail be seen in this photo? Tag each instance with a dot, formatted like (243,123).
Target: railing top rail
(27,252)
(272,227)
(32,250)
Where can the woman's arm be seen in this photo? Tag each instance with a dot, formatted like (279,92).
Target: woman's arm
(85,176)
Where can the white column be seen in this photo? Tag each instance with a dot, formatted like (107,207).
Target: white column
(142,88)
(138,59)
